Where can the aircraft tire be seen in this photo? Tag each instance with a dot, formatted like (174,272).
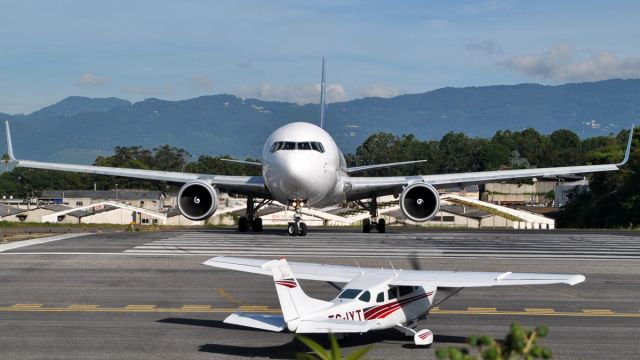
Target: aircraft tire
(243,224)
(382,226)
(303,229)
(257,225)
(366,226)
(292,229)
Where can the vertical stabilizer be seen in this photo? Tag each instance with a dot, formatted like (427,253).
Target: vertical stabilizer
(294,302)
(322,97)
(9,144)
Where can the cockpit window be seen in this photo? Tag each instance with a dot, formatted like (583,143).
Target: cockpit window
(366,296)
(317,146)
(302,145)
(349,294)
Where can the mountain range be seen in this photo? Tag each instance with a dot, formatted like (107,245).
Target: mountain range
(77,129)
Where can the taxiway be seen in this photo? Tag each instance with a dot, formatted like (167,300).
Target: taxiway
(147,296)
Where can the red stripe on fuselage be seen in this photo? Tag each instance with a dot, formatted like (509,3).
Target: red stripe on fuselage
(382,311)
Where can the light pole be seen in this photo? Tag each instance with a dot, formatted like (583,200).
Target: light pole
(116,192)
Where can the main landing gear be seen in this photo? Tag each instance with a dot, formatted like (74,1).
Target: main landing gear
(250,221)
(297,227)
(372,223)
(421,337)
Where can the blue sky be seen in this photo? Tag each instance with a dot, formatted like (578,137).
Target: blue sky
(272,49)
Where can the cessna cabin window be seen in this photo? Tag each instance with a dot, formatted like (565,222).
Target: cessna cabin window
(393,294)
(380,297)
(302,145)
(366,296)
(349,294)
(404,290)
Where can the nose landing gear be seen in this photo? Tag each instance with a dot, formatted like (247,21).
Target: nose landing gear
(297,227)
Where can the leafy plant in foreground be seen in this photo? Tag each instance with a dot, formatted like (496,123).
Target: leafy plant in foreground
(319,352)
(519,343)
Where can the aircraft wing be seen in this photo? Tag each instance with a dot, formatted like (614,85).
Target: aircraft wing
(305,271)
(357,169)
(457,279)
(241,184)
(343,274)
(362,187)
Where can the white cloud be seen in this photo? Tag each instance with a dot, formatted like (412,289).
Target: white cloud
(200,83)
(167,89)
(92,80)
(380,90)
(300,94)
(559,64)
(488,47)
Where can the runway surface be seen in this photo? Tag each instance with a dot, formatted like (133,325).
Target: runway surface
(147,296)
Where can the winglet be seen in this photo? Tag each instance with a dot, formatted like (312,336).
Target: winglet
(322,97)
(628,150)
(9,145)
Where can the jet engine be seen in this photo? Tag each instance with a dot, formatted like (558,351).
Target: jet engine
(197,200)
(419,202)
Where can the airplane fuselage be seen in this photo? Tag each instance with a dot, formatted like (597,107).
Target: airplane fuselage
(302,162)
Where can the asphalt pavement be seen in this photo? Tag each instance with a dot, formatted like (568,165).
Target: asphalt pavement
(147,296)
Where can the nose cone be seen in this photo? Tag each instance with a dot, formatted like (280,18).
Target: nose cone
(299,175)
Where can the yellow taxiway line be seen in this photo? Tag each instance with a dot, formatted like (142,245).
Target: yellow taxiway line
(203,308)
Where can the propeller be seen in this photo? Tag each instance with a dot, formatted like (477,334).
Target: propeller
(414,261)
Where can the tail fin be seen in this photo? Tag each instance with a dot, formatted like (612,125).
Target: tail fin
(9,145)
(322,97)
(294,302)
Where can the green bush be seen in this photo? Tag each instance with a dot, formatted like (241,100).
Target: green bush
(519,343)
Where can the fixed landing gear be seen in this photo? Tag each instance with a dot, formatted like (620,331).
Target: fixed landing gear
(421,337)
(372,224)
(250,221)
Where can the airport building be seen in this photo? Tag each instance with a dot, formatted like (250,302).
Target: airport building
(460,208)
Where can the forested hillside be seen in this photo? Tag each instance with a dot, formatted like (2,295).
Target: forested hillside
(79,129)
(614,202)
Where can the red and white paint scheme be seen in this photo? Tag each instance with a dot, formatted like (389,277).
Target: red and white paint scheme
(371,299)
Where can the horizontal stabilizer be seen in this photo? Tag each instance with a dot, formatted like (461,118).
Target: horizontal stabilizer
(357,169)
(257,321)
(335,326)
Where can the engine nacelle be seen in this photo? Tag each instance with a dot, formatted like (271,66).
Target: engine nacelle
(420,202)
(197,200)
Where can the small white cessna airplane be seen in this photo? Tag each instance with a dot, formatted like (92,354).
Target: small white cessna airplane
(372,299)
(302,166)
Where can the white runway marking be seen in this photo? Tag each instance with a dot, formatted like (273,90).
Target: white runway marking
(399,245)
(23,243)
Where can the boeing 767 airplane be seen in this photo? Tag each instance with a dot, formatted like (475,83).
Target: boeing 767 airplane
(303,167)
